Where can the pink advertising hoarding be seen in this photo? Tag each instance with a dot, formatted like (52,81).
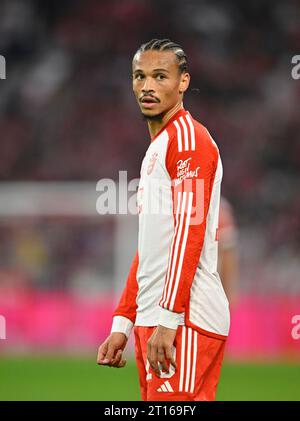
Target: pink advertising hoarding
(58,321)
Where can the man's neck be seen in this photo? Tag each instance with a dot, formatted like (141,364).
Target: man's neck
(155,126)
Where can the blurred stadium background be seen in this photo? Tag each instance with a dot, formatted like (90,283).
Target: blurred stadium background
(68,119)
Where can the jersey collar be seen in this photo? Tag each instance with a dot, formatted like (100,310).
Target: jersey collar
(179,113)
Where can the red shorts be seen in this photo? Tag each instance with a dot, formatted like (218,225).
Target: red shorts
(199,359)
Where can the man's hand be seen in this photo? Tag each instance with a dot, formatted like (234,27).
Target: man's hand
(110,352)
(159,349)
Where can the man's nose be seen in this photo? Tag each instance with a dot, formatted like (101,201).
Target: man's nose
(148,86)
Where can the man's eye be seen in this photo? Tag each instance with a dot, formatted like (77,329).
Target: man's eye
(160,77)
(139,77)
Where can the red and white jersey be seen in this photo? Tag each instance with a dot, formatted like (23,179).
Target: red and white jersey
(173,279)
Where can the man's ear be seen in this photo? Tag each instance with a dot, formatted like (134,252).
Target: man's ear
(184,82)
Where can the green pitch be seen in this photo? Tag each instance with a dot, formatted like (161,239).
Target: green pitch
(70,378)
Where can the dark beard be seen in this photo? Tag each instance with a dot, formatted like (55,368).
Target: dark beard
(157,117)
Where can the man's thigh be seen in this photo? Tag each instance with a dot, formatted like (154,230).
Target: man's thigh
(199,359)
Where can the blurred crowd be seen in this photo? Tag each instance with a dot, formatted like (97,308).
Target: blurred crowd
(67,111)
(57,252)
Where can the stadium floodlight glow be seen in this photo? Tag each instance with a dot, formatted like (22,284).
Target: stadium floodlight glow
(2,67)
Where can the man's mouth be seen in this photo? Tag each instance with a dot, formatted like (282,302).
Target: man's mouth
(149,101)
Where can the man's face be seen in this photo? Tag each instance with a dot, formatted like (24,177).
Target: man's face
(158,84)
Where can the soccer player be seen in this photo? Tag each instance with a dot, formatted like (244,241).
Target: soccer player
(228,261)
(173,296)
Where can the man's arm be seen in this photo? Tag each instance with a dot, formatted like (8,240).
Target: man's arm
(191,198)
(110,352)
(125,313)
(228,261)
